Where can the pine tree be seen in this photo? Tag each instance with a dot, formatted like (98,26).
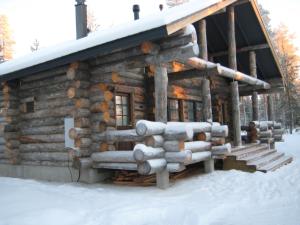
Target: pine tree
(35,45)
(6,41)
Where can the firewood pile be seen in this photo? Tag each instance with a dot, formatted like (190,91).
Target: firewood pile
(171,146)
(267,132)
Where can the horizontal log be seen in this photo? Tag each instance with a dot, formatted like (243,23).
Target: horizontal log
(46,156)
(79,132)
(203,136)
(173,146)
(181,157)
(190,74)
(221,150)
(154,141)
(278,132)
(152,166)
(218,141)
(83,142)
(219,131)
(175,167)
(58,112)
(178,131)
(199,157)
(77,93)
(43,147)
(226,72)
(147,128)
(46,163)
(265,134)
(277,137)
(82,103)
(113,156)
(115,166)
(197,146)
(82,122)
(43,130)
(41,122)
(118,135)
(266,140)
(56,138)
(141,153)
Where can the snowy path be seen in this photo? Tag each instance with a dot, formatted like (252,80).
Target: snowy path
(221,198)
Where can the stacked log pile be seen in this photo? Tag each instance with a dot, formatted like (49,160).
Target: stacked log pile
(168,146)
(267,132)
(42,140)
(9,152)
(78,76)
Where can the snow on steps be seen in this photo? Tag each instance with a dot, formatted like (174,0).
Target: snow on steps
(255,157)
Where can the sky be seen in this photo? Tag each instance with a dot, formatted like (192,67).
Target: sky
(53,21)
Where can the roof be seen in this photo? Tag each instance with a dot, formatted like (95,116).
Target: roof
(153,27)
(250,30)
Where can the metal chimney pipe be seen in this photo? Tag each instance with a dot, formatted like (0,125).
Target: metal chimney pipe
(81,19)
(161,7)
(136,11)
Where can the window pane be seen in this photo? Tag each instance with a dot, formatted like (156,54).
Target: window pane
(124,100)
(119,110)
(118,100)
(125,110)
(125,121)
(119,121)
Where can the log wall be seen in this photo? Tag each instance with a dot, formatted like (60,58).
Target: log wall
(41,137)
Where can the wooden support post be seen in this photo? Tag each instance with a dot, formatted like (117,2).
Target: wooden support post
(161,99)
(209,166)
(270,108)
(253,73)
(231,38)
(207,110)
(203,40)
(161,93)
(234,85)
(162,179)
(236,114)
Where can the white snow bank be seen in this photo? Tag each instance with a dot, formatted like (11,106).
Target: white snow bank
(221,198)
(106,35)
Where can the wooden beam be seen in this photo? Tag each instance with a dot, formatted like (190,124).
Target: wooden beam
(194,73)
(247,90)
(179,24)
(242,49)
(226,72)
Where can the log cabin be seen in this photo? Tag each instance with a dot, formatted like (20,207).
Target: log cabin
(153,95)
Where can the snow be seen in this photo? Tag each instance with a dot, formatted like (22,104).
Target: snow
(220,198)
(106,35)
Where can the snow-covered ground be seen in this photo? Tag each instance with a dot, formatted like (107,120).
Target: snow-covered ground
(221,198)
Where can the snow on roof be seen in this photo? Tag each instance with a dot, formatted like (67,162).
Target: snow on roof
(106,35)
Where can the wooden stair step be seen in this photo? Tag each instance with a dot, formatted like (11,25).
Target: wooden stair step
(244,147)
(259,155)
(266,160)
(242,154)
(276,164)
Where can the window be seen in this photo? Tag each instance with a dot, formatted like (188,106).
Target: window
(191,111)
(173,110)
(194,111)
(30,107)
(123,117)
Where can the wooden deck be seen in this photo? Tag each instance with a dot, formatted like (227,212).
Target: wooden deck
(255,157)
